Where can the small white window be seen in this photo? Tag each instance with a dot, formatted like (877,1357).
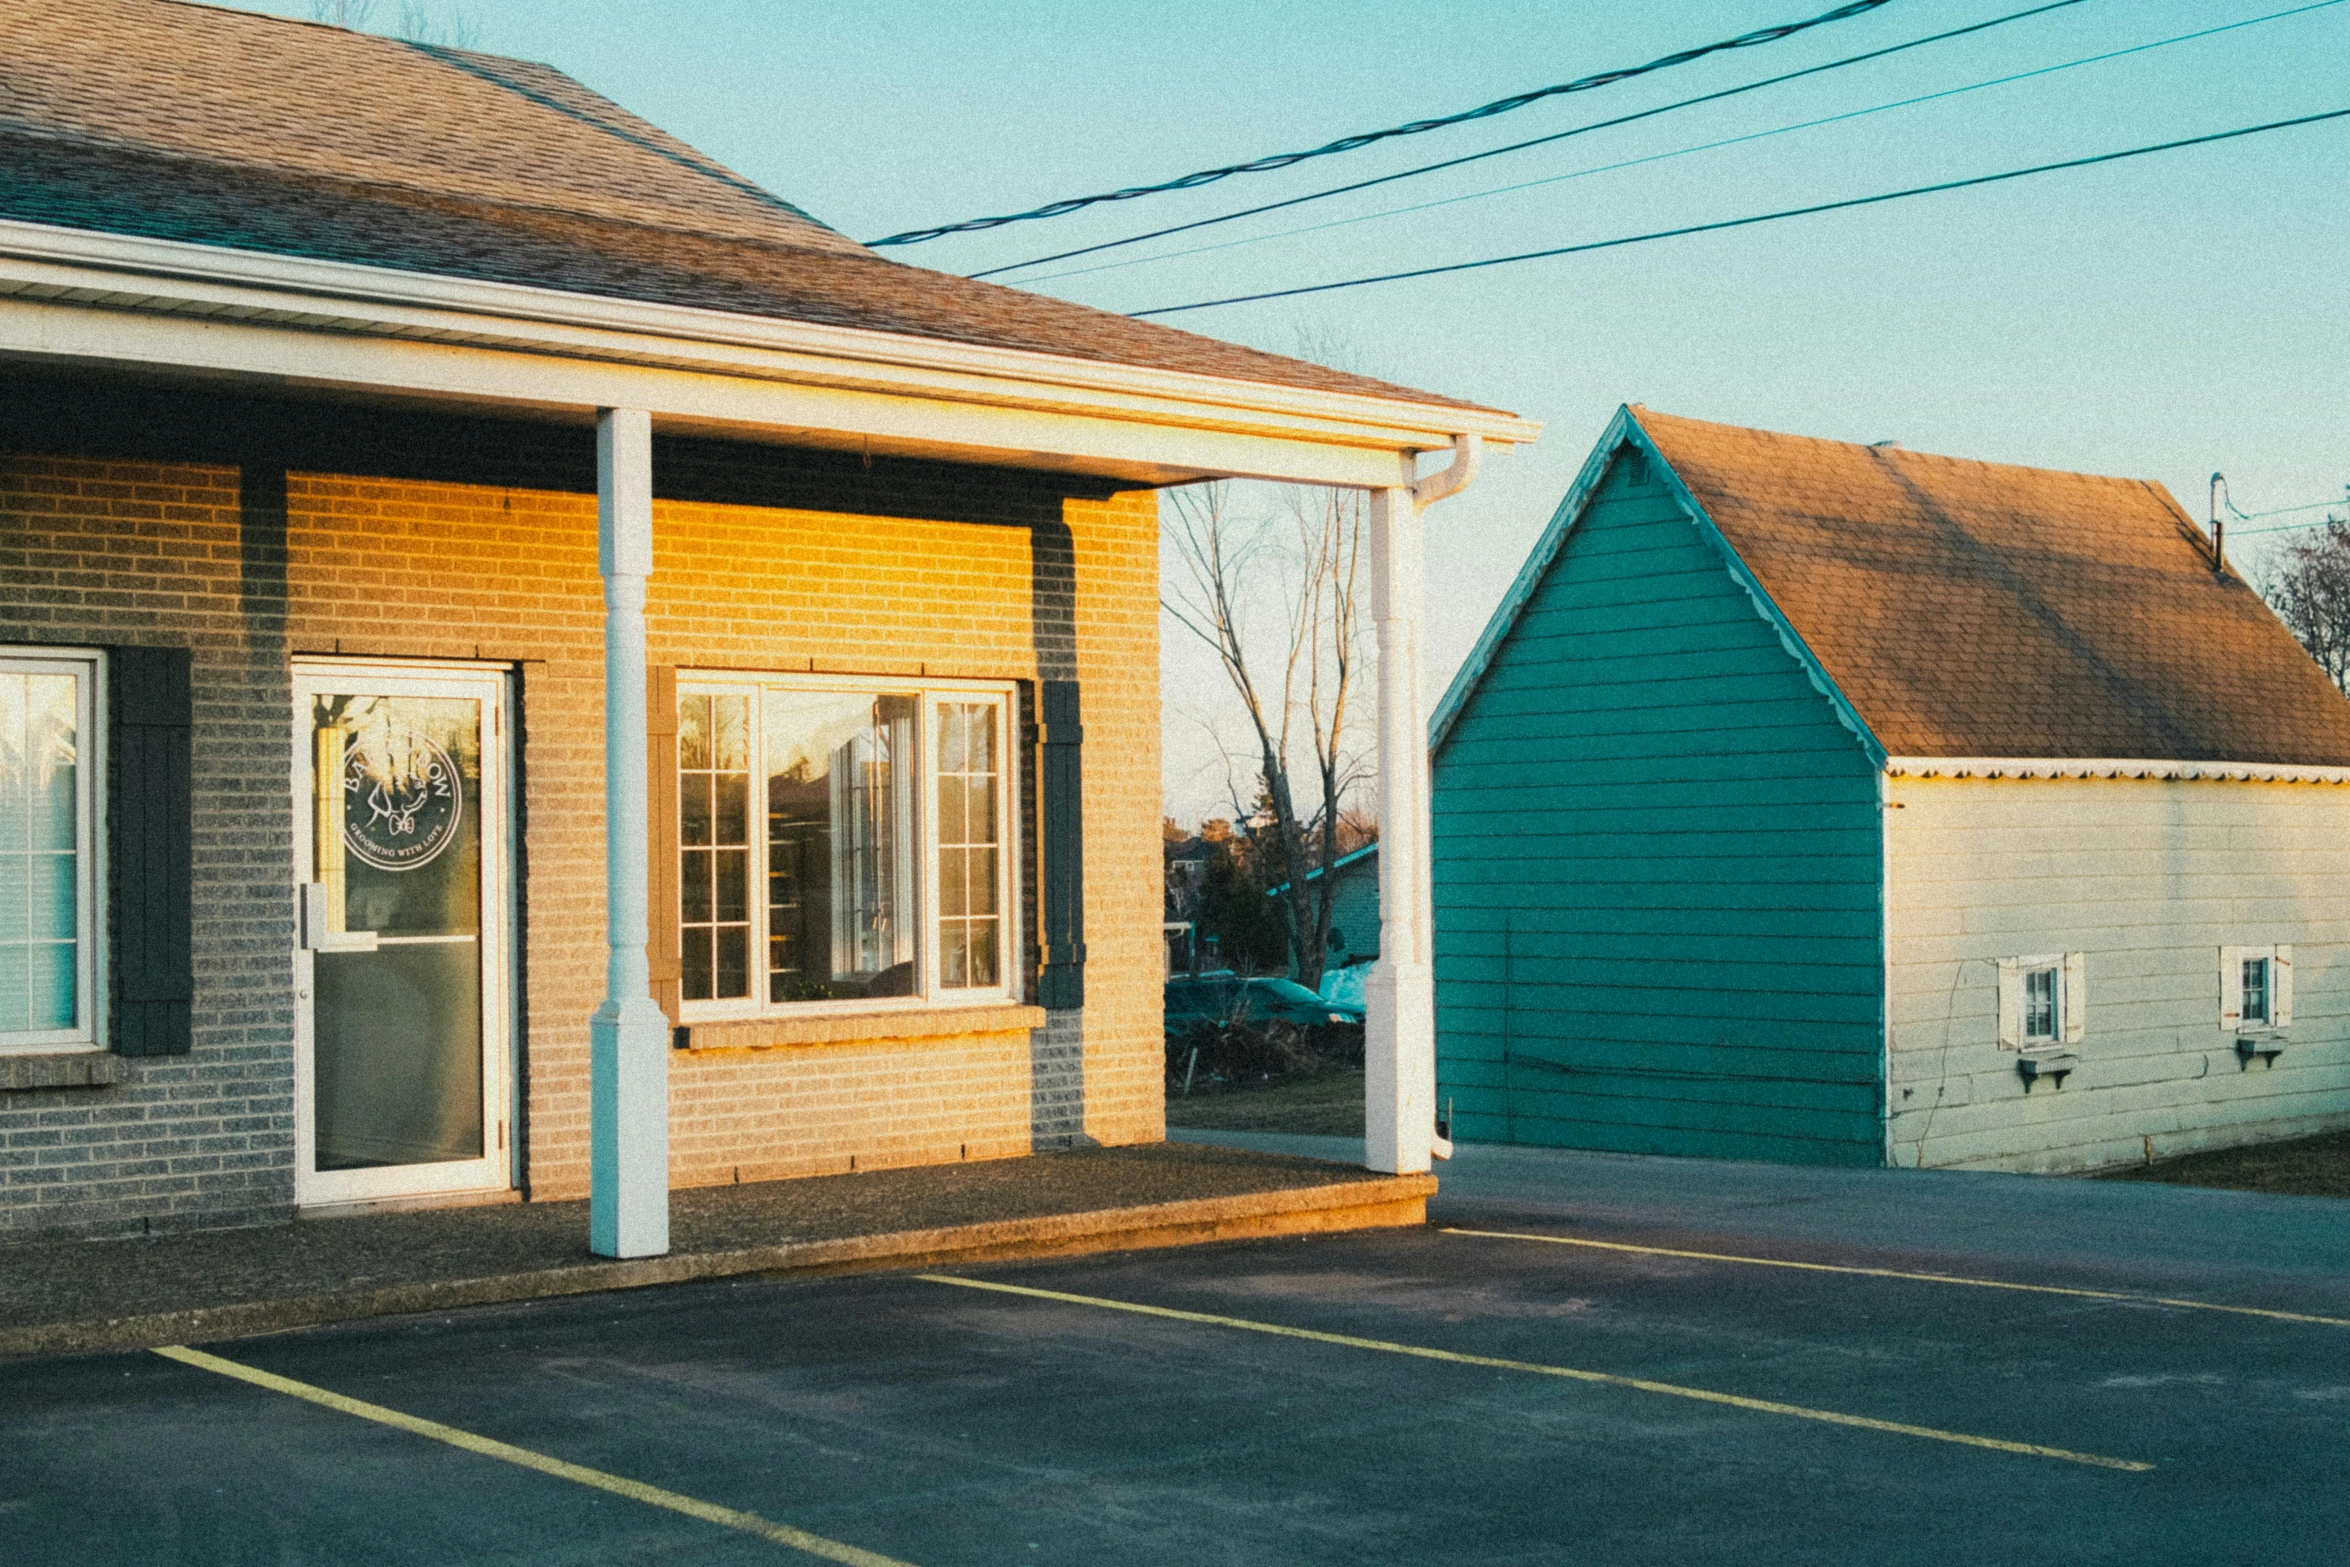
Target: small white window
(49,768)
(2255,984)
(2255,989)
(2043,1003)
(2043,1000)
(843,843)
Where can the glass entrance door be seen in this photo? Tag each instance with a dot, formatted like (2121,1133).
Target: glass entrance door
(400,978)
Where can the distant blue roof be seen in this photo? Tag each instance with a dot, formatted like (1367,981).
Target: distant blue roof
(1339,864)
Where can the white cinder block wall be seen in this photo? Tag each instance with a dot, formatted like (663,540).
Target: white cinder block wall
(2148,878)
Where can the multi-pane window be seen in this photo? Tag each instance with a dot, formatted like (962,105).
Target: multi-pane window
(47,881)
(2043,986)
(713,830)
(969,913)
(875,817)
(2256,990)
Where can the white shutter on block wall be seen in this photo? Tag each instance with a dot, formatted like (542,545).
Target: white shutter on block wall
(2231,988)
(2011,1005)
(2076,997)
(2280,988)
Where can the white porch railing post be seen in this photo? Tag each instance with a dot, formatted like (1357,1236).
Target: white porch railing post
(1400,1025)
(628,1135)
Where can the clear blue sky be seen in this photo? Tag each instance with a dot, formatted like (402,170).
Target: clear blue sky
(2161,318)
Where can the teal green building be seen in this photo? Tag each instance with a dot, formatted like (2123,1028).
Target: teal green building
(1818,802)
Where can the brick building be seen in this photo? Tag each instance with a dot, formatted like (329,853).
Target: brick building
(474,571)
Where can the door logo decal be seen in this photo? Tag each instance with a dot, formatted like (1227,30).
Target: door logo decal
(401,803)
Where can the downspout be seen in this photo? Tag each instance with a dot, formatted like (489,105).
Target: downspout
(2219,528)
(1468,451)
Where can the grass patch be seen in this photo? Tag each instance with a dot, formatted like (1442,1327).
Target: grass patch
(1328,1104)
(2304,1167)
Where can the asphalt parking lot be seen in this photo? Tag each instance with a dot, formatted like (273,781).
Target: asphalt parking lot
(1413,1396)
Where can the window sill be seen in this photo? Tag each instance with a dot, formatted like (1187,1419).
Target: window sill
(767,1033)
(2266,1043)
(2053,1062)
(64,1069)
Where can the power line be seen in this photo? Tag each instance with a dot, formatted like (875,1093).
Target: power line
(1745,222)
(1681,152)
(1761,35)
(1539,141)
(2341,507)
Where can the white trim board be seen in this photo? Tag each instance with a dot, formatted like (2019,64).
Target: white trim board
(2083,767)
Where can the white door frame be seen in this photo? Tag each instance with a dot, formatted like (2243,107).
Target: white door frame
(490,684)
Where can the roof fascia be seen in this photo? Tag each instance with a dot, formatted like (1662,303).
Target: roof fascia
(1789,637)
(469,379)
(354,298)
(1529,578)
(1991,767)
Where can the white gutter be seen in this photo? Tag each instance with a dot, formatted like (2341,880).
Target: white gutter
(2078,767)
(128,272)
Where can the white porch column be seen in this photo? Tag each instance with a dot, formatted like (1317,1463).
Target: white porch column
(1400,1026)
(628,1092)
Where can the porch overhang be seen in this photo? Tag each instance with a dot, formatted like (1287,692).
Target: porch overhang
(171,309)
(191,315)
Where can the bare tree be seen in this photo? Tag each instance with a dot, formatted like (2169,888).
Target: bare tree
(450,26)
(2310,591)
(419,21)
(1226,564)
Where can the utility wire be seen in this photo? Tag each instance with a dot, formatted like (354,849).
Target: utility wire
(2242,515)
(1745,222)
(1680,152)
(2341,507)
(1283,160)
(1539,141)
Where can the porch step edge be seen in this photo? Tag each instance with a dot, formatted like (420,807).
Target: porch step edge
(1389,1202)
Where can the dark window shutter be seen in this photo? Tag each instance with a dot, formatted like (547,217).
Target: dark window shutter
(150,809)
(661,946)
(1061,980)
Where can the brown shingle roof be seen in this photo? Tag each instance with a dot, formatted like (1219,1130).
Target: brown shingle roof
(181,121)
(1979,610)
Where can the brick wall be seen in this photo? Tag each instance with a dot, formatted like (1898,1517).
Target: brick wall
(112,552)
(330,532)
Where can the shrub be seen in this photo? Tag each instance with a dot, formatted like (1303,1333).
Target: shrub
(1219,1057)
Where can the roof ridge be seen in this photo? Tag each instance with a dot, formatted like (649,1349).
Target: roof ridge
(507,73)
(239,13)
(1905,453)
(690,157)
(11,127)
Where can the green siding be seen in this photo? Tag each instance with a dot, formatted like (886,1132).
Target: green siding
(1354,911)
(1658,873)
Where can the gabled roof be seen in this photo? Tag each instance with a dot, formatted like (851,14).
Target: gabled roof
(1979,610)
(172,120)
(1369,851)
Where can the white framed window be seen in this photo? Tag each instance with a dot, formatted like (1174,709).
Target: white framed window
(2043,1000)
(2256,989)
(844,844)
(2043,1003)
(50,772)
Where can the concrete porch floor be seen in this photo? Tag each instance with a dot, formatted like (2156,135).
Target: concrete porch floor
(70,1296)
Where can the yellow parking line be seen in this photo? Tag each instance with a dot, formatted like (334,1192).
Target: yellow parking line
(1921,1278)
(1601,1378)
(578,1474)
